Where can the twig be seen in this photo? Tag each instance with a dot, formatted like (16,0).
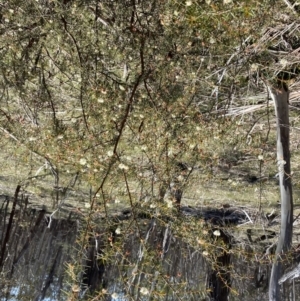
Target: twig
(250,220)
(290,6)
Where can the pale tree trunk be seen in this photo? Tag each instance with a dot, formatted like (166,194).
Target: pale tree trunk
(280,96)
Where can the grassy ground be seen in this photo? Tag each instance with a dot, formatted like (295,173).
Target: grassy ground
(237,177)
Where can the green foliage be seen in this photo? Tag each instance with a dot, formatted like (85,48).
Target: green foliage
(120,93)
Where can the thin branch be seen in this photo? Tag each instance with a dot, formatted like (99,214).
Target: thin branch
(290,6)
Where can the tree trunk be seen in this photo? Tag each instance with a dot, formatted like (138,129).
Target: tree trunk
(280,95)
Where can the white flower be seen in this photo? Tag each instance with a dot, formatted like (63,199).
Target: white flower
(260,157)
(169,203)
(180,178)
(144,291)
(254,67)
(110,153)
(82,161)
(283,62)
(217,233)
(118,231)
(114,296)
(123,166)
(227,1)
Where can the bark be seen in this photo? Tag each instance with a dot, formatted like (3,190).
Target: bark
(280,96)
